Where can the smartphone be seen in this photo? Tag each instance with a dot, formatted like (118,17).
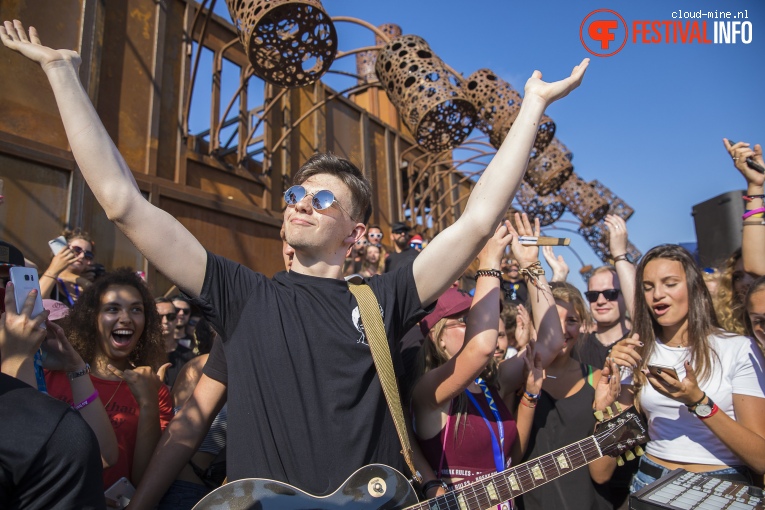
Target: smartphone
(658,369)
(57,244)
(24,281)
(120,493)
(750,162)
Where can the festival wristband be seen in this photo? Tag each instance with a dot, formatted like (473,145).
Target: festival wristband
(751,213)
(86,402)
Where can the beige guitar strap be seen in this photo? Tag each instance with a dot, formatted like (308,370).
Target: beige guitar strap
(378,344)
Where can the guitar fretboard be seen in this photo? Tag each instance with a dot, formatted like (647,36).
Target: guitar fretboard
(515,481)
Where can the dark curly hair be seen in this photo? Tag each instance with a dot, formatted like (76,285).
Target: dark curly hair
(81,325)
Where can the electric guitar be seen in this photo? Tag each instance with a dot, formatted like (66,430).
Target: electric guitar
(379,487)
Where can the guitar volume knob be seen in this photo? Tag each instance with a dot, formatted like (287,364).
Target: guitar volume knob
(376,487)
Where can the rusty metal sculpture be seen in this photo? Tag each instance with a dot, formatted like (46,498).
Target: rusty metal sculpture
(616,205)
(548,208)
(497,104)
(598,239)
(550,169)
(290,43)
(429,97)
(365,60)
(582,200)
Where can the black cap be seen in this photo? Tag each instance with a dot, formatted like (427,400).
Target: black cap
(400,228)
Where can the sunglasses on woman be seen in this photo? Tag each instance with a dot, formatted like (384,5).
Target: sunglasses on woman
(609,294)
(320,200)
(77,251)
(375,235)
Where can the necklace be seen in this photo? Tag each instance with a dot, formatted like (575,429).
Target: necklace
(113,394)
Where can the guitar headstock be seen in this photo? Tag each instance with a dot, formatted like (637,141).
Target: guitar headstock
(619,432)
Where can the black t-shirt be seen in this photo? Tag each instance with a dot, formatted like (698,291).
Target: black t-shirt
(305,405)
(397,260)
(179,357)
(515,292)
(49,456)
(590,351)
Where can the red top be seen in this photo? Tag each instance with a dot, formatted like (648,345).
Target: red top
(468,454)
(122,409)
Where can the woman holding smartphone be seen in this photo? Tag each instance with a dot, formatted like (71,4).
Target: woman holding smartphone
(709,418)
(115,329)
(67,275)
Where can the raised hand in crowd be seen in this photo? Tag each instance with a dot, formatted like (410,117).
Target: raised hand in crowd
(20,336)
(524,328)
(753,237)
(557,264)
(625,269)
(609,386)
(58,264)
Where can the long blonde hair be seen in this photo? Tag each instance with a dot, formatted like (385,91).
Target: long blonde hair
(730,308)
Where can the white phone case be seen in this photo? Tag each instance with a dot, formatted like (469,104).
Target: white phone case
(57,244)
(24,281)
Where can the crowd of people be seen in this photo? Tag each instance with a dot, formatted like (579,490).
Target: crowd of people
(239,375)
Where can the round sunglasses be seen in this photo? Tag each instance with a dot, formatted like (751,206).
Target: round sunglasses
(320,200)
(77,251)
(609,294)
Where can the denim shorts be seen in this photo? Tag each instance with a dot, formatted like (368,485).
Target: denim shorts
(182,495)
(733,473)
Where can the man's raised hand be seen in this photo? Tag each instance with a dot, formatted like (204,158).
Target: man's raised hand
(15,38)
(551,92)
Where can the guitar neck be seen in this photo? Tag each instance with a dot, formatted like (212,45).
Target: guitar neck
(515,481)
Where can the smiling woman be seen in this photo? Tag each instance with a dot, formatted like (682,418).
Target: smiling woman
(115,328)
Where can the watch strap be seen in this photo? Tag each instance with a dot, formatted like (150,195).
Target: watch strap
(691,407)
(623,256)
(711,413)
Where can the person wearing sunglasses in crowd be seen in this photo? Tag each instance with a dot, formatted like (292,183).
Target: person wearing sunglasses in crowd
(405,254)
(69,271)
(177,354)
(293,351)
(183,315)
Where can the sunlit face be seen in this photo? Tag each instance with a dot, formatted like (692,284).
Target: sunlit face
(375,235)
(373,255)
(320,231)
(741,280)
(569,322)
(756,310)
(183,311)
(121,322)
(502,341)
(666,292)
(453,334)
(606,313)
(81,263)
(166,311)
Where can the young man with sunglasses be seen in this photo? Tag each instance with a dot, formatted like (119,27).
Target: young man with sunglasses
(405,254)
(177,354)
(305,404)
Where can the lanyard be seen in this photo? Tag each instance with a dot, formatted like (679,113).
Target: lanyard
(66,292)
(497,446)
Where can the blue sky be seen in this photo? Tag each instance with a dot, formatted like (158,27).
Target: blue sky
(647,122)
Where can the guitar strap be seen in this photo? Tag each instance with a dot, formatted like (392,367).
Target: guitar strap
(374,328)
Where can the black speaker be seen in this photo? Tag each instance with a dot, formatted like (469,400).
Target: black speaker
(718,227)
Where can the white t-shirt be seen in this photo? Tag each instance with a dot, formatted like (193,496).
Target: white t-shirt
(677,434)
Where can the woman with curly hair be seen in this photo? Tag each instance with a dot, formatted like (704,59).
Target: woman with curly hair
(755,312)
(69,273)
(115,329)
(701,388)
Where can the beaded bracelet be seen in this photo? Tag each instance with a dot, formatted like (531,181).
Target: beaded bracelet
(531,396)
(86,402)
(496,273)
(751,213)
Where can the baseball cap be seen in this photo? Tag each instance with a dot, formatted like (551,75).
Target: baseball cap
(57,309)
(416,239)
(451,302)
(10,255)
(400,228)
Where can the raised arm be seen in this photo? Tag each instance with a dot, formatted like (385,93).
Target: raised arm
(625,270)
(557,264)
(156,234)
(550,337)
(441,385)
(446,257)
(753,238)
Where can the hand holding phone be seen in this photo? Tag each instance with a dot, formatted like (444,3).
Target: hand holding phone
(656,370)
(750,162)
(57,244)
(25,281)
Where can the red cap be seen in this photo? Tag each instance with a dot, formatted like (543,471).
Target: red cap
(451,302)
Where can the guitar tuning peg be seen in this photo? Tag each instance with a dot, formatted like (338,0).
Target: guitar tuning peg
(619,461)
(598,415)
(639,451)
(610,412)
(629,455)
(619,407)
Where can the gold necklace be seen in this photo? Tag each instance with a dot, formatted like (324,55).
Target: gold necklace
(113,394)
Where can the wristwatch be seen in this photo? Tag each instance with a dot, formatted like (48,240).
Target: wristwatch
(703,410)
(625,256)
